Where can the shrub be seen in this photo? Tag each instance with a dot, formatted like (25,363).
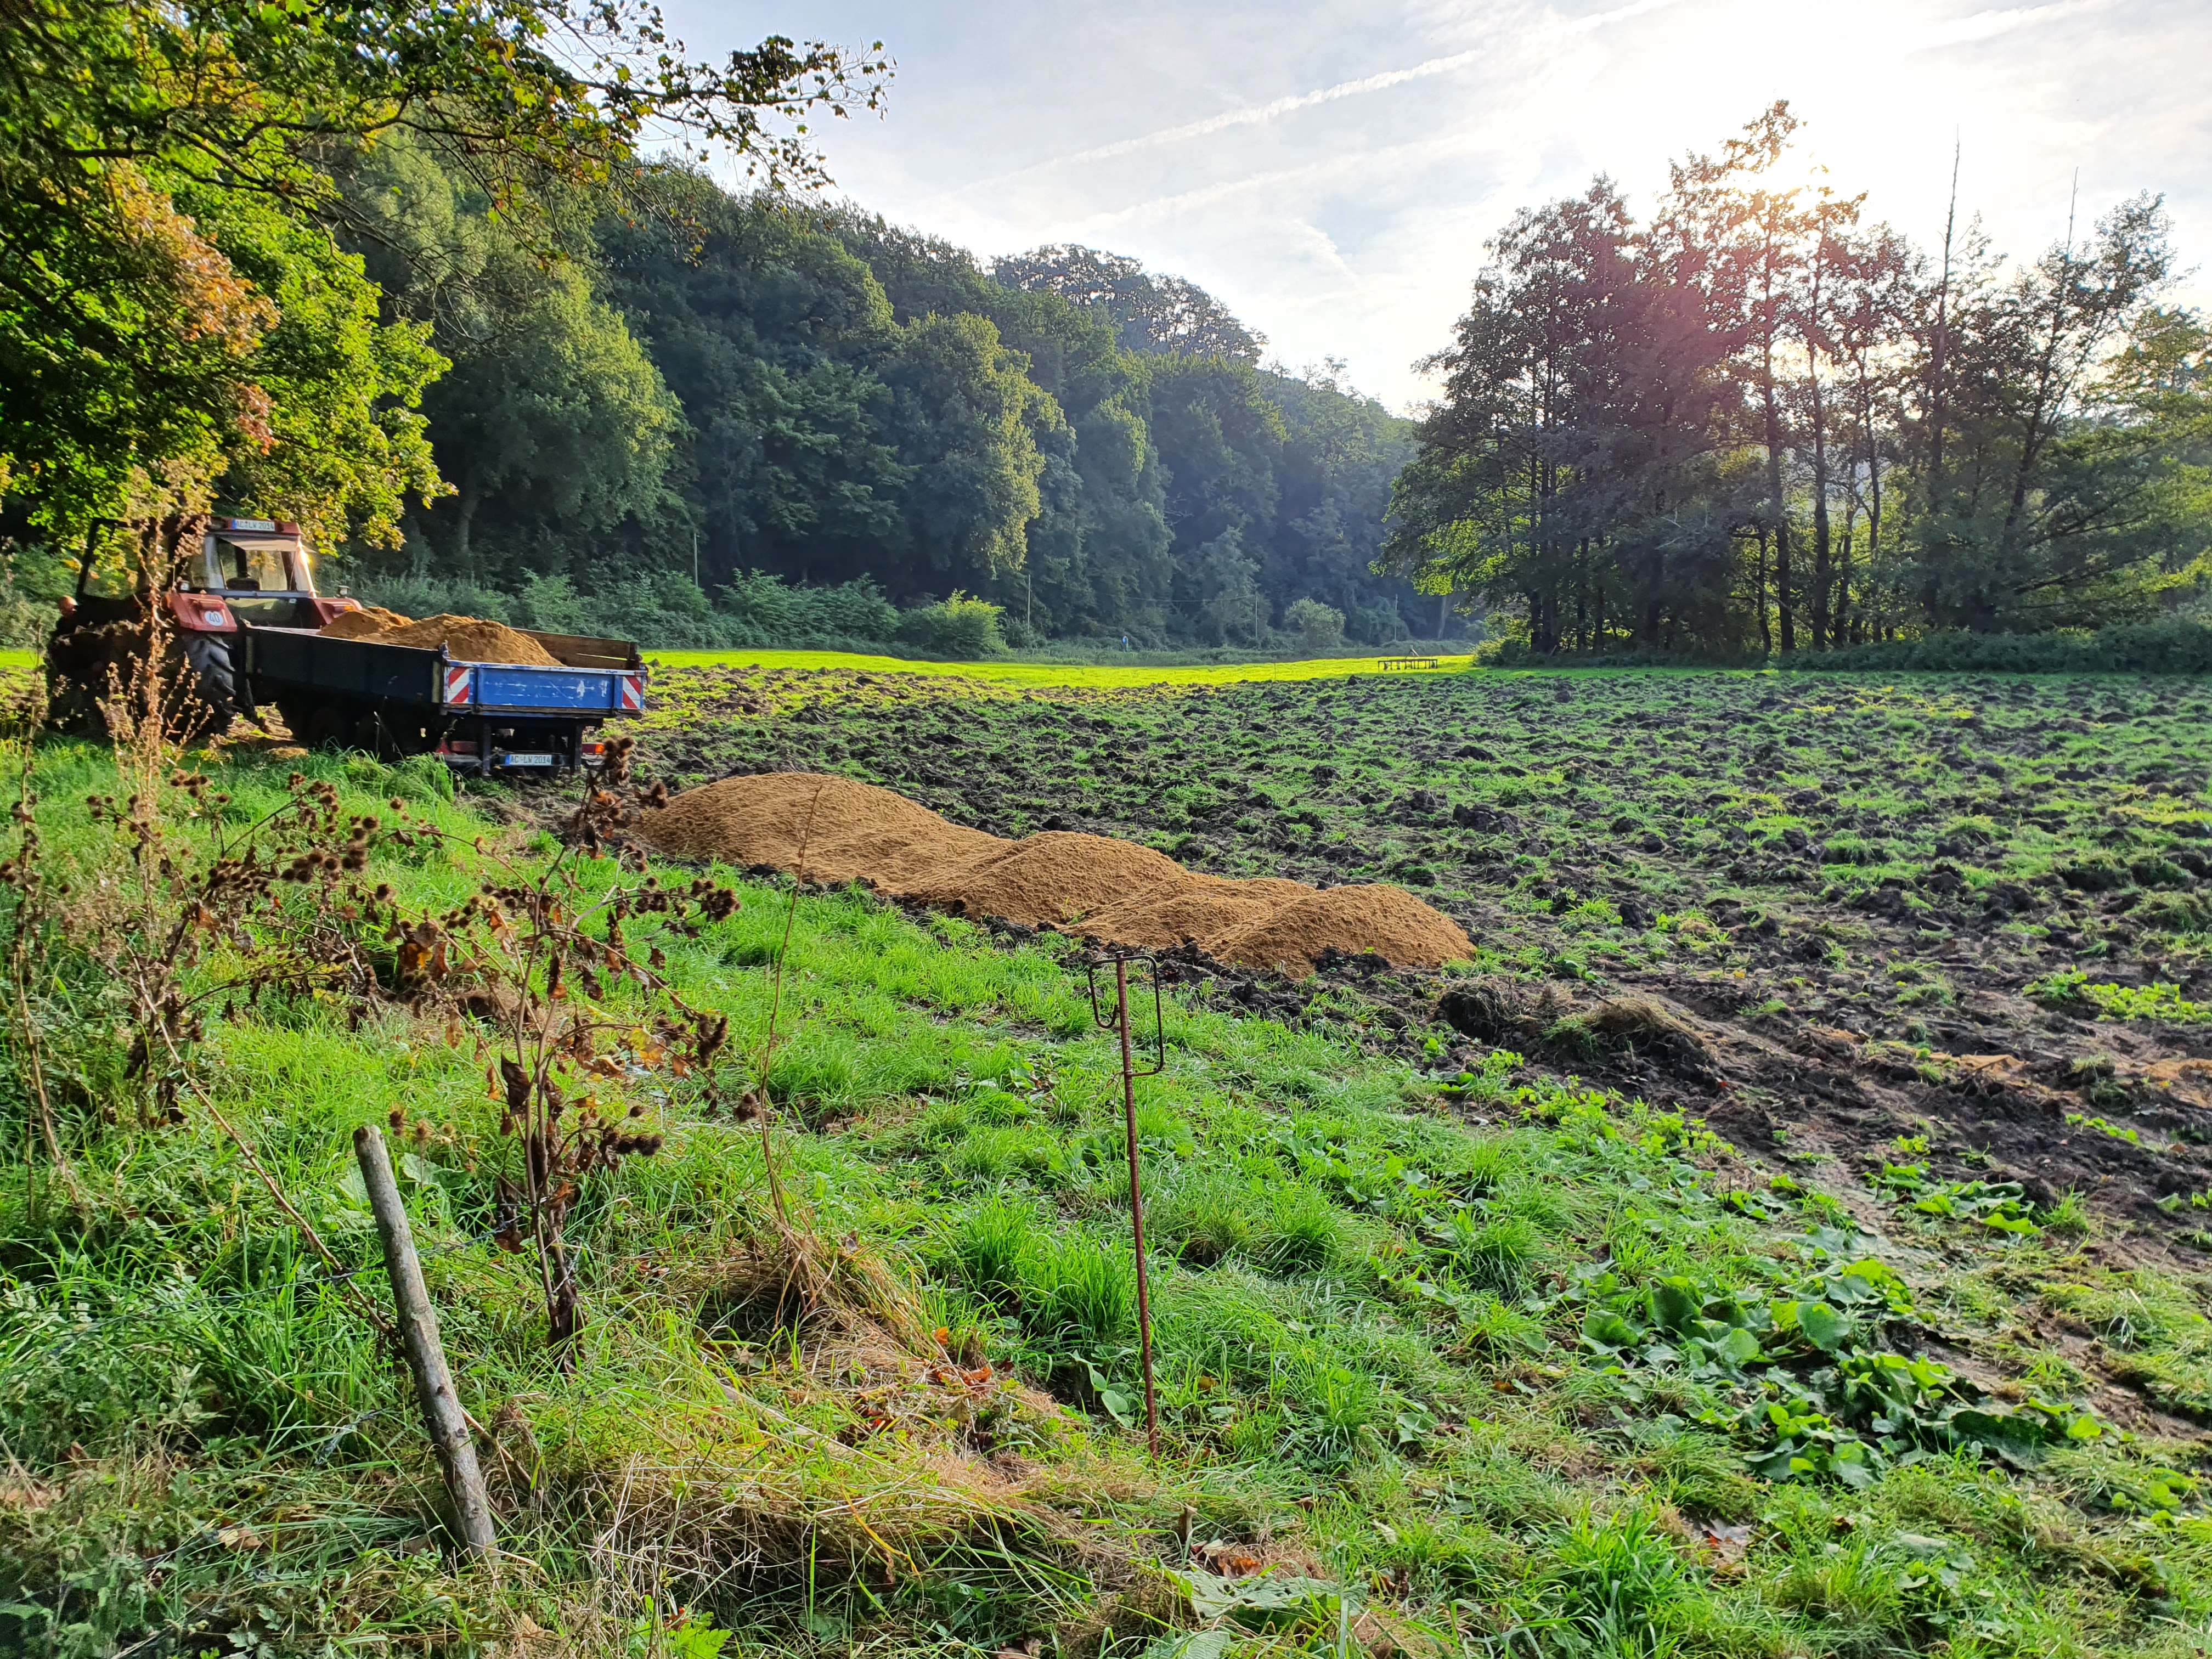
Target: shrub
(851,611)
(432,596)
(1320,627)
(958,627)
(2176,646)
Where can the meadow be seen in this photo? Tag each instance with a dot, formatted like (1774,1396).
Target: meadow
(1133,675)
(1487,1323)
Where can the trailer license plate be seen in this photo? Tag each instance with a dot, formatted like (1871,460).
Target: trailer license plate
(529,760)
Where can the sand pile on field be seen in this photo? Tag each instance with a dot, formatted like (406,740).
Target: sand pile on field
(1059,876)
(365,623)
(1114,891)
(1388,920)
(1200,908)
(858,833)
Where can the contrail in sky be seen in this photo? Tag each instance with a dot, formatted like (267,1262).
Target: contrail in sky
(1254,114)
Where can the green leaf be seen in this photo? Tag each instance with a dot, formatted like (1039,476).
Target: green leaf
(1824,1328)
(1609,1329)
(1674,1303)
(1740,1345)
(1852,1465)
(1193,1644)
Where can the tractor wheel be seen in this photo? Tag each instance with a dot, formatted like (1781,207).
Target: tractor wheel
(211,690)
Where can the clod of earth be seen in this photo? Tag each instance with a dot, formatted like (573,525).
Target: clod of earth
(1503,1013)
(831,829)
(469,639)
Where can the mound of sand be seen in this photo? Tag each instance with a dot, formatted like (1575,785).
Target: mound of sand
(836,829)
(1057,877)
(857,832)
(1387,920)
(366,623)
(1200,908)
(471,639)
(468,639)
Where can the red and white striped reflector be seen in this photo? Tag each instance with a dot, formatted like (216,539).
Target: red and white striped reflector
(456,683)
(633,692)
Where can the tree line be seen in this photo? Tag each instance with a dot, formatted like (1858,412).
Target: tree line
(720,386)
(1755,422)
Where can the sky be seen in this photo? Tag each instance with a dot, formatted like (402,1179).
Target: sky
(1331,169)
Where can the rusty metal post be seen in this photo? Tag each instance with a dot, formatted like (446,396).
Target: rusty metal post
(1137,1202)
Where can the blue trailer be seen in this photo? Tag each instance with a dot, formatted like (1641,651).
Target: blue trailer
(482,717)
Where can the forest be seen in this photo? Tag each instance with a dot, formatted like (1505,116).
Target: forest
(731,387)
(1753,421)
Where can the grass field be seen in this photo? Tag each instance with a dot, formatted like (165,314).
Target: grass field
(1098,676)
(1800,1330)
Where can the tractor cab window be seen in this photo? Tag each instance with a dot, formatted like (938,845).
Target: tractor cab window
(256,564)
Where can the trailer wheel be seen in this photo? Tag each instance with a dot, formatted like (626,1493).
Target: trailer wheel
(329,727)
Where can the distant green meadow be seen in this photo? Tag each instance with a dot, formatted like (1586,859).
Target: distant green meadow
(1044,674)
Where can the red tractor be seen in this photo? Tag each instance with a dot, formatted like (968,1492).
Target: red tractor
(179,593)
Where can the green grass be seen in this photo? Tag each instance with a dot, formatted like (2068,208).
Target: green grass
(1491,1386)
(1015,673)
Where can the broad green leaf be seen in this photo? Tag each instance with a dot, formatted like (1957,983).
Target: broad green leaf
(1824,1328)
(1609,1329)
(1740,1345)
(1674,1303)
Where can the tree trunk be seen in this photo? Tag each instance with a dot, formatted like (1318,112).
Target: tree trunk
(1758,591)
(464,512)
(1820,550)
(1936,412)
(1840,618)
(1772,408)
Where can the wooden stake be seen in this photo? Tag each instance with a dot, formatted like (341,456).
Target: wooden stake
(426,1356)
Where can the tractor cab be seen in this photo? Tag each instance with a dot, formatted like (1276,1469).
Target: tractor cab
(263,571)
